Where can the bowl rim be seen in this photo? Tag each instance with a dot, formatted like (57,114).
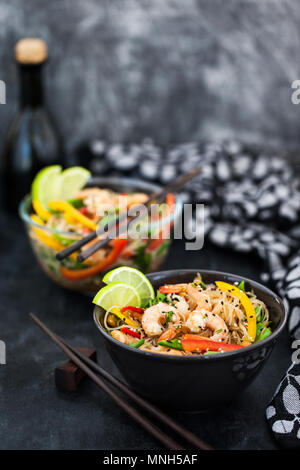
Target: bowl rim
(214,357)
(113,180)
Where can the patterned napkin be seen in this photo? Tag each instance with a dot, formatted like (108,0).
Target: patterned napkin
(252,204)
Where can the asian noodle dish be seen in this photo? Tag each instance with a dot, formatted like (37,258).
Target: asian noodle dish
(62,212)
(190,318)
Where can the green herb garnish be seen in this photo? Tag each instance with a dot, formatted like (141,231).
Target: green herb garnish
(242,286)
(169,317)
(77,203)
(143,259)
(258,313)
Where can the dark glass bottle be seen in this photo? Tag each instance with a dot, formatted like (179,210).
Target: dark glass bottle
(32,140)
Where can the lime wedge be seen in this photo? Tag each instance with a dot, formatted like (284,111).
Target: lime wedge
(72,180)
(46,184)
(51,184)
(132,277)
(117,293)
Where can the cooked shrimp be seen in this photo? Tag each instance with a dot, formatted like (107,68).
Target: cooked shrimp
(218,326)
(122,337)
(119,336)
(87,192)
(98,201)
(181,305)
(172,288)
(153,317)
(136,198)
(170,333)
(201,319)
(199,297)
(196,321)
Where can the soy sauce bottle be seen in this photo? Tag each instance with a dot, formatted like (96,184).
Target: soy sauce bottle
(32,140)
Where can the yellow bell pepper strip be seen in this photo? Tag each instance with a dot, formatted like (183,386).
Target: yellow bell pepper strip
(48,240)
(125,318)
(69,219)
(79,274)
(40,210)
(37,219)
(63,206)
(246,303)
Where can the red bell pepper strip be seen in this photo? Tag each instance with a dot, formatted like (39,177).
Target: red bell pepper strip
(154,244)
(170,200)
(132,309)
(127,331)
(83,210)
(78,274)
(192,343)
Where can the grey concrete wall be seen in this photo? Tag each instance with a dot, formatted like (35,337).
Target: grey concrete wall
(172,69)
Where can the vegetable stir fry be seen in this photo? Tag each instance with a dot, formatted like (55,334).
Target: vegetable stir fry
(64,211)
(190,319)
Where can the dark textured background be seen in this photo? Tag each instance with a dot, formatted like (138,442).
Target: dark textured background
(172,69)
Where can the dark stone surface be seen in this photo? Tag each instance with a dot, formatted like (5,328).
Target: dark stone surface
(170,69)
(34,415)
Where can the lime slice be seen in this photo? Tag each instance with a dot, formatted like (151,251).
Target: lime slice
(50,184)
(72,180)
(132,277)
(117,293)
(46,184)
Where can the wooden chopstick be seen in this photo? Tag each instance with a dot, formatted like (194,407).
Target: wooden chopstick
(130,410)
(84,363)
(156,197)
(75,246)
(158,413)
(86,239)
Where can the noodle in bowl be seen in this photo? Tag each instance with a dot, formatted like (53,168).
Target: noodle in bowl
(204,381)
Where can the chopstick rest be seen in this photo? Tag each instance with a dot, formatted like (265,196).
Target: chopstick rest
(68,376)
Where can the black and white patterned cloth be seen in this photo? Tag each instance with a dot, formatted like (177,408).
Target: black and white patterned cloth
(252,204)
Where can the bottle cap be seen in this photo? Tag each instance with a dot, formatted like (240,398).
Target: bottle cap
(31,51)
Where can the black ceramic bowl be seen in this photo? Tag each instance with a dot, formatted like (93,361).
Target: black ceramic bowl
(194,383)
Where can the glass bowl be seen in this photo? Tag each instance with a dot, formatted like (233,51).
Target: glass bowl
(146,254)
